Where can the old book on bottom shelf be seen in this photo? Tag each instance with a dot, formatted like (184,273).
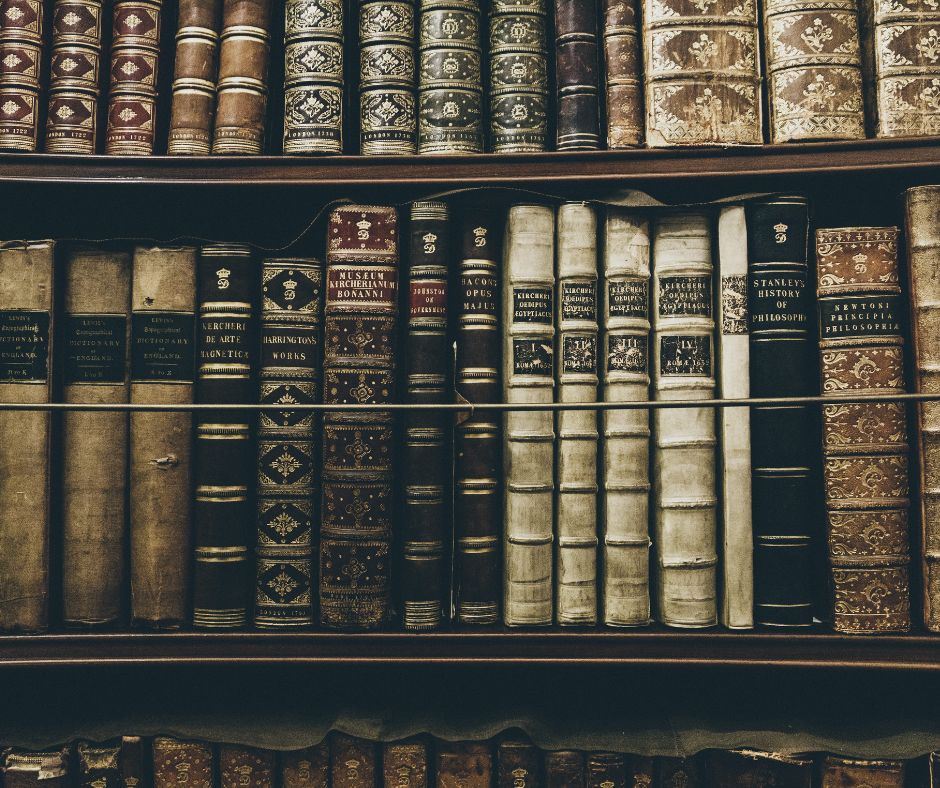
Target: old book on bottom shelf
(564,769)
(856,773)
(245,767)
(307,768)
(467,764)
(177,763)
(121,764)
(865,450)
(354,762)
(750,767)
(24,769)
(606,770)
(405,763)
(518,764)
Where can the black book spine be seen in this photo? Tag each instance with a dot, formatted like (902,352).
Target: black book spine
(576,75)
(784,438)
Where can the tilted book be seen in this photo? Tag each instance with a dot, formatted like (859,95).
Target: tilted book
(21,70)
(529,436)
(564,769)
(354,762)
(518,764)
(25,769)
(182,764)
(622,73)
(466,764)
(245,767)
(405,763)
(865,451)
(307,768)
(750,767)
(577,111)
(606,770)
(685,442)
(856,773)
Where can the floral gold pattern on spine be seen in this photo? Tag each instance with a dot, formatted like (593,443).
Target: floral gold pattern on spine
(21,29)
(622,68)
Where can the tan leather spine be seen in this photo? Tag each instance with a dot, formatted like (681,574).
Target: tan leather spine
(622,68)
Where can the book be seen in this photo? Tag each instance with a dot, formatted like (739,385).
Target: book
(388,103)
(131,761)
(703,77)
(94,446)
(477,439)
(135,68)
(74,76)
(684,460)
(288,450)
(577,112)
(405,764)
(518,86)
(564,769)
(606,770)
(313,76)
(528,436)
(426,454)
(734,424)
(467,764)
(26,769)
(622,73)
(224,452)
(26,318)
(21,53)
(358,368)
(784,437)
(307,768)
(245,767)
(814,70)
(110,766)
(689,772)
(353,762)
(576,444)
(751,767)
(195,72)
(644,772)
(450,87)
(518,764)
(854,773)
(865,451)
(177,762)
(242,87)
(160,470)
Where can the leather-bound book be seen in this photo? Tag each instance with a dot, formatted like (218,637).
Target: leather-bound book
(242,87)
(466,764)
(734,424)
(622,68)
(745,768)
(814,72)
(529,436)
(23,769)
(784,439)
(477,507)
(163,336)
(245,767)
(135,67)
(681,772)
(684,460)
(450,87)
(353,762)
(426,456)
(117,766)
(576,446)
(564,769)
(131,761)
(74,76)
(358,368)
(577,112)
(307,768)
(94,332)
(606,770)
(855,773)
(26,276)
(195,72)
(405,764)
(518,89)
(21,67)
(644,772)
(288,454)
(182,764)
(518,765)
(224,454)
(388,103)
(626,447)
(313,76)
(703,76)
(865,451)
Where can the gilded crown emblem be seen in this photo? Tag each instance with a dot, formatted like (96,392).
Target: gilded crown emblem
(429,238)
(290,284)
(223,274)
(780,232)
(364,226)
(479,236)
(290,290)
(860,258)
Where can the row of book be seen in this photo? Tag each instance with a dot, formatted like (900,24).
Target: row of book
(508,761)
(421,81)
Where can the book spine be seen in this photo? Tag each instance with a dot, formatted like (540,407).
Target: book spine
(784,439)
(576,446)
(182,764)
(564,769)
(644,772)
(194,78)
(477,510)
(26,298)
(131,761)
(405,764)
(163,333)
(734,424)
(354,762)
(388,104)
(245,767)
(606,770)
(358,368)
(865,452)
(98,767)
(528,440)
(577,121)
(752,767)
(855,773)
(25,769)
(242,89)
(518,765)
(518,89)
(689,772)
(313,76)
(94,444)
(626,446)
(703,80)
(21,54)
(466,764)
(74,77)
(288,454)
(814,70)
(684,463)
(228,283)
(307,768)
(426,457)
(622,69)
(450,87)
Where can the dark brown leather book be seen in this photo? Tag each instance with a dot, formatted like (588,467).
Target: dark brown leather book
(405,764)
(194,77)
(606,770)
(854,773)
(681,772)
(74,76)
(288,456)
(94,338)
(21,38)
(358,368)
(243,77)
(564,769)
(245,767)
(131,762)
(116,766)
(313,76)
(182,764)
(865,451)
(26,279)
(622,67)
(467,764)
(746,768)
(477,505)
(307,768)
(353,762)
(518,765)
(23,769)
(224,467)
(644,772)
(577,121)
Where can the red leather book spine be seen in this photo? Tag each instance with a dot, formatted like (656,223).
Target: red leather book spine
(21,38)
